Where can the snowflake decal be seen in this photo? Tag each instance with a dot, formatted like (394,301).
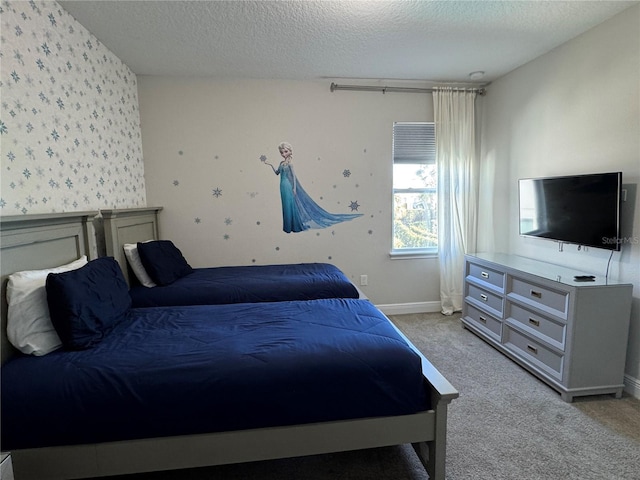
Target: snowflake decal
(263,158)
(176,183)
(197,220)
(346,173)
(354,206)
(216,192)
(227,221)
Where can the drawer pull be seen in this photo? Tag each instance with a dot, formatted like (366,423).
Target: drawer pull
(484,274)
(484,297)
(536,294)
(482,319)
(534,322)
(532,349)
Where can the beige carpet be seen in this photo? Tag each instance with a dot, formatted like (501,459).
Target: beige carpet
(506,425)
(509,425)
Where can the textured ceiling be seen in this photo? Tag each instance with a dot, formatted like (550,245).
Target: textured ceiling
(400,39)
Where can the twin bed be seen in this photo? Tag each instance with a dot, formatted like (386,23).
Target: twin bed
(220,285)
(247,376)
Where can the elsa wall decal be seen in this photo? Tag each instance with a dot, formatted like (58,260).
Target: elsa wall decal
(299,211)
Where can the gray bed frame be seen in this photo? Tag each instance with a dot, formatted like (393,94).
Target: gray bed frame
(43,241)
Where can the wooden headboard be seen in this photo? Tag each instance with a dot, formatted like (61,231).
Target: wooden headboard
(34,242)
(128,225)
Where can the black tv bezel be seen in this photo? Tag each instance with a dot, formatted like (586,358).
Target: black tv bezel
(615,245)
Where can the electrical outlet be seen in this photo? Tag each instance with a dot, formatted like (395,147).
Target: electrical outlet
(364,280)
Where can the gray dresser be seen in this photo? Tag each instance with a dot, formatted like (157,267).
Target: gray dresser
(571,334)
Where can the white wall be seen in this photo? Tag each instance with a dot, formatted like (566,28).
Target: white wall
(200,135)
(574,110)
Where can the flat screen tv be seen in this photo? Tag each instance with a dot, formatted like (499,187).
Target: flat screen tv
(578,209)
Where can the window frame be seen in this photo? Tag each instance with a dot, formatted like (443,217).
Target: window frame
(412,153)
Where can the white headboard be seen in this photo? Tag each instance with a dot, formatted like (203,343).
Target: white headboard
(128,225)
(34,242)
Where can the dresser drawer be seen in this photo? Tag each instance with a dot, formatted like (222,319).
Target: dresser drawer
(534,352)
(492,327)
(553,301)
(486,275)
(550,331)
(486,299)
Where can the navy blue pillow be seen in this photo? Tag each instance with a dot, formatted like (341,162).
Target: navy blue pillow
(163,261)
(85,304)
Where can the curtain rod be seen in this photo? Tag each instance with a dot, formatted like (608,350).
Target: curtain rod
(369,88)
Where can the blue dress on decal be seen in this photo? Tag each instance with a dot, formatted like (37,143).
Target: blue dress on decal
(299,211)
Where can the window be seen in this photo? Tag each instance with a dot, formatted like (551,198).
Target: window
(415,207)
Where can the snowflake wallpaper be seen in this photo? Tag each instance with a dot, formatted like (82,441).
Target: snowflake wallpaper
(69,120)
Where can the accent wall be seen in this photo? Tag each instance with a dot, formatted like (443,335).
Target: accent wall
(69,122)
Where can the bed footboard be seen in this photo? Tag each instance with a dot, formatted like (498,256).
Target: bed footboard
(432,453)
(118,458)
(426,431)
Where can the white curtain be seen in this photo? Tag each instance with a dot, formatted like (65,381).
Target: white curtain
(454,117)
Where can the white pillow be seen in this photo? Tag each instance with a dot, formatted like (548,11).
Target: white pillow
(133,257)
(29,326)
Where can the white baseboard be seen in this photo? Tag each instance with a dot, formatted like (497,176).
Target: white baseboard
(632,386)
(404,308)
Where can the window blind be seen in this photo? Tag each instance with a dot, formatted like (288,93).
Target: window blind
(414,142)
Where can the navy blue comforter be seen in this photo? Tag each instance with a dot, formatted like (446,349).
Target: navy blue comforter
(244,284)
(197,369)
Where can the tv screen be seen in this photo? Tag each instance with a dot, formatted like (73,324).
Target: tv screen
(578,209)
